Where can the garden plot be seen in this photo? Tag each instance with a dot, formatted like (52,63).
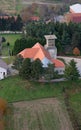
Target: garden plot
(42,114)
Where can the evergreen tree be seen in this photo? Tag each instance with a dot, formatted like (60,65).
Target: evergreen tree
(71,71)
(76,40)
(36,69)
(18,62)
(25,71)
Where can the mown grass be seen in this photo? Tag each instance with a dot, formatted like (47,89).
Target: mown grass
(9,60)
(75,102)
(11,38)
(16,89)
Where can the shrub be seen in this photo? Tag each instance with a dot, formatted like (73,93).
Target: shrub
(3,106)
(76,51)
(2,125)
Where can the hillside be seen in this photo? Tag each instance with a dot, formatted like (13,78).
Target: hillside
(14,6)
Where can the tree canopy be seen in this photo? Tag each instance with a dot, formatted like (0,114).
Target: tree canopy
(71,71)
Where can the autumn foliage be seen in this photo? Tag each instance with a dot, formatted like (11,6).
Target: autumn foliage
(3,106)
(2,125)
(76,51)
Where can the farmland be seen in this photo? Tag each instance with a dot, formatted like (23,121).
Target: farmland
(26,96)
(42,114)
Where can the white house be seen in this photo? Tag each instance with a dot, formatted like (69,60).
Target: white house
(76,8)
(3,69)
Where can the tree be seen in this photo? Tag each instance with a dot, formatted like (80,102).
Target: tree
(25,71)
(65,41)
(18,23)
(3,39)
(76,39)
(36,69)
(49,71)
(18,62)
(71,71)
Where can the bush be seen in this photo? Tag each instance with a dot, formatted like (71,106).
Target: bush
(2,125)
(3,106)
(76,51)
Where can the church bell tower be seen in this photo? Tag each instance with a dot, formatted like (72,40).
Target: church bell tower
(50,45)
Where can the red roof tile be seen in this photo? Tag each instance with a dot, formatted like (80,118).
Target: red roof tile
(29,52)
(35,18)
(57,63)
(38,51)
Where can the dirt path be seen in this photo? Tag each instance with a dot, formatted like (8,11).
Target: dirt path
(43,114)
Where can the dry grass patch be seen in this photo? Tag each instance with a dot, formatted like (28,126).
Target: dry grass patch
(43,114)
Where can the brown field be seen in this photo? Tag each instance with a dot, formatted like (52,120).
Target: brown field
(42,114)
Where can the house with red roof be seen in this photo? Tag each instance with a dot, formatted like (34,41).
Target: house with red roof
(45,56)
(74,14)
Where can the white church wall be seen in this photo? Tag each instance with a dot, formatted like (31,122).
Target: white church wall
(45,62)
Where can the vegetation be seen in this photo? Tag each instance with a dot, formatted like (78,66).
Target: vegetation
(10,38)
(71,71)
(66,40)
(17,89)
(17,62)
(3,106)
(3,109)
(11,24)
(39,114)
(75,102)
(76,51)
(21,44)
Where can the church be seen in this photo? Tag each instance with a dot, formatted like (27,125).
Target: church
(46,54)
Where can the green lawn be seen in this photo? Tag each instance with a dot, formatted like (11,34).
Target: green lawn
(11,38)
(16,89)
(75,101)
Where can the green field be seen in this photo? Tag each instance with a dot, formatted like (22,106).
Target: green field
(17,89)
(75,101)
(11,38)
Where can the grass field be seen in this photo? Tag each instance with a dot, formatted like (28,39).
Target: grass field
(11,38)
(75,101)
(43,114)
(17,89)
(14,89)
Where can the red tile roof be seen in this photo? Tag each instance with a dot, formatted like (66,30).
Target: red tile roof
(76,17)
(38,51)
(34,18)
(42,52)
(57,63)
(29,52)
